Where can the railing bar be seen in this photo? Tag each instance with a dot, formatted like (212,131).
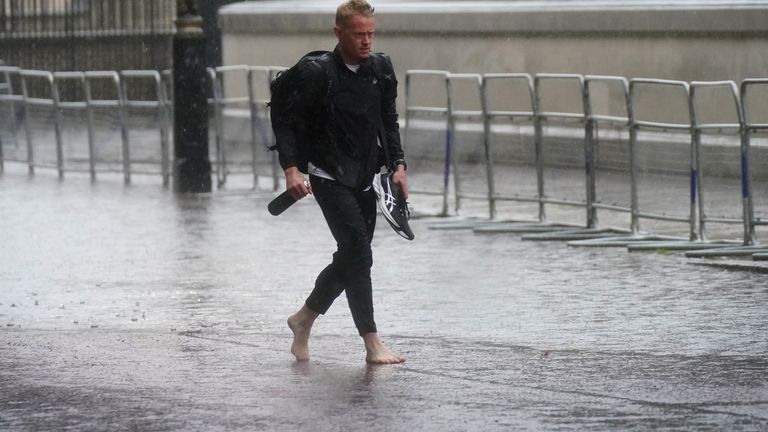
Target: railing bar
(685,219)
(39,101)
(464,113)
(510,113)
(104,103)
(238,99)
(427,72)
(625,209)
(143,104)
(551,114)
(658,125)
(80,105)
(609,119)
(506,75)
(563,202)
(516,198)
(708,126)
(723,220)
(427,109)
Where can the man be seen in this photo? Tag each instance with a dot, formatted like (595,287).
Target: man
(341,112)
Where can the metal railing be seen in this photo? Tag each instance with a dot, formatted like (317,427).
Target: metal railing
(32,129)
(700,127)
(595,120)
(42,103)
(687,204)
(236,94)
(515,117)
(458,113)
(638,124)
(752,218)
(430,110)
(154,103)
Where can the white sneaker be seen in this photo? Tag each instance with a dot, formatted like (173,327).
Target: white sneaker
(392,204)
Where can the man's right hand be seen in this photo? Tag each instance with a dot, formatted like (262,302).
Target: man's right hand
(296,184)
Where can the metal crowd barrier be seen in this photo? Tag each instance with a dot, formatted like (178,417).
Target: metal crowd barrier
(528,183)
(638,209)
(751,219)
(45,116)
(638,125)
(220,103)
(559,168)
(156,106)
(42,103)
(430,110)
(552,185)
(10,101)
(593,118)
(514,116)
(699,127)
(591,197)
(456,114)
(597,197)
(569,197)
(97,102)
(457,151)
(250,105)
(6,91)
(60,79)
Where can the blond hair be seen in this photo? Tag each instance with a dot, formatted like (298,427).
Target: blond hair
(352,7)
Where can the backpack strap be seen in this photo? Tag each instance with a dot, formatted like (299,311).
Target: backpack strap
(377,63)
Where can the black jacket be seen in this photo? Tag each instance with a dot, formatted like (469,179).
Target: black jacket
(335,117)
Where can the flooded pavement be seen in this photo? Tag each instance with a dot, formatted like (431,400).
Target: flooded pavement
(130,308)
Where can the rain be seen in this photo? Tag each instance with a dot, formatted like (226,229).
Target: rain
(588,232)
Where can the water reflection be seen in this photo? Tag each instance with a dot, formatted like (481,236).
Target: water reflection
(353,385)
(192,223)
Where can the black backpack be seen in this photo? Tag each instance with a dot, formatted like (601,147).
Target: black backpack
(281,88)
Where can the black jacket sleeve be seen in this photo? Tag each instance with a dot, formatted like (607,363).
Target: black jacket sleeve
(298,107)
(389,109)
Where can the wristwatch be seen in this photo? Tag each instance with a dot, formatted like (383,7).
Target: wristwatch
(401,162)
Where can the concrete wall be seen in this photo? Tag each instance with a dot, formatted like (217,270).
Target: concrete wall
(682,40)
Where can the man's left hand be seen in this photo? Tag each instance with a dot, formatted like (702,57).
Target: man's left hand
(399,179)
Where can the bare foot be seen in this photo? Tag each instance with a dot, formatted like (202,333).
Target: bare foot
(300,324)
(377,352)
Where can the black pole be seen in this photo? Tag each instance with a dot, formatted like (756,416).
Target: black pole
(192,166)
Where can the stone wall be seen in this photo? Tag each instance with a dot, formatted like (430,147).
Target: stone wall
(685,41)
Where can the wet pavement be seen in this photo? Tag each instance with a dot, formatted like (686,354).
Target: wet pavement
(130,308)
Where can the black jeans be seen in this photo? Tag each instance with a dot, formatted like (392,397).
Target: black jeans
(351,216)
